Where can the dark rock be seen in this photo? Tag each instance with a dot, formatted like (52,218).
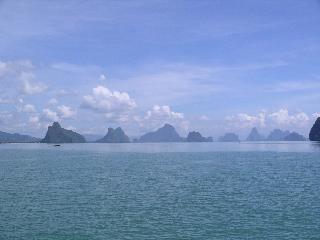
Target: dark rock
(314,134)
(16,138)
(165,134)
(229,137)
(294,137)
(254,136)
(114,136)
(277,135)
(57,134)
(197,137)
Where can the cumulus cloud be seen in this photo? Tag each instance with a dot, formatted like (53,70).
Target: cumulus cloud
(159,115)
(19,75)
(35,122)
(28,108)
(50,115)
(113,104)
(29,87)
(102,77)
(52,102)
(283,118)
(10,68)
(244,120)
(66,112)
(204,118)
(279,119)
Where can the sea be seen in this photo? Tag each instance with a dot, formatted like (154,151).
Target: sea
(160,191)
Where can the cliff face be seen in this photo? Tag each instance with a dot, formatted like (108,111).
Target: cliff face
(254,136)
(314,134)
(57,134)
(165,134)
(229,137)
(114,136)
(197,137)
(16,138)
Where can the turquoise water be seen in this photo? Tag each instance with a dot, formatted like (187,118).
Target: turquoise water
(160,191)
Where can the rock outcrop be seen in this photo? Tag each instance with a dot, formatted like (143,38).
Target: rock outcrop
(57,134)
(255,136)
(229,137)
(197,137)
(314,134)
(277,135)
(16,138)
(165,134)
(114,136)
(294,137)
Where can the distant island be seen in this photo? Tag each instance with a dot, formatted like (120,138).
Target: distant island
(255,136)
(166,133)
(16,138)
(275,135)
(229,137)
(197,137)
(114,136)
(57,134)
(293,136)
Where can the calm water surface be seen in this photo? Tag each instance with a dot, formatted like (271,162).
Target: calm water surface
(160,191)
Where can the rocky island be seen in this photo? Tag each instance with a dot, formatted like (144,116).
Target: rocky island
(17,138)
(114,136)
(57,134)
(294,137)
(197,137)
(229,137)
(167,133)
(255,136)
(314,134)
(277,135)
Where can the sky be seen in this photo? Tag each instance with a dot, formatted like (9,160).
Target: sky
(212,66)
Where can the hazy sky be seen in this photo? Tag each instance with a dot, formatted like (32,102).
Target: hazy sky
(213,66)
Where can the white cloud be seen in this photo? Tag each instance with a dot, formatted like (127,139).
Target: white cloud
(50,115)
(29,108)
(159,115)
(53,102)
(106,101)
(30,88)
(244,120)
(5,117)
(102,77)
(162,113)
(204,118)
(34,121)
(66,112)
(19,75)
(283,118)
(9,68)
(279,119)
(316,115)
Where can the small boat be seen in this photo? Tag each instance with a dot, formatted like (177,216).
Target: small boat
(57,145)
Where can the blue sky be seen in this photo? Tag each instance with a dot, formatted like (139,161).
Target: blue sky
(213,66)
